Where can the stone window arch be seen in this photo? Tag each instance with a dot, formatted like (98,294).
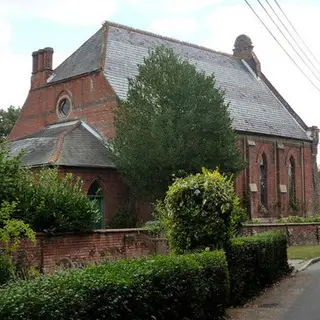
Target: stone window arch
(263,170)
(95,193)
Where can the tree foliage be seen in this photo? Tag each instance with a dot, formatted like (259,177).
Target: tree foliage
(7,120)
(175,120)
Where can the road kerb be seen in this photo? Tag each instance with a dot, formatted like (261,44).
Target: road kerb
(308,263)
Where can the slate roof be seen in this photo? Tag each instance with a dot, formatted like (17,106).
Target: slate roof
(72,144)
(255,107)
(83,60)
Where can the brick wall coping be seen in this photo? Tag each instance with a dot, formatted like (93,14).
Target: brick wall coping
(138,230)
(280,224)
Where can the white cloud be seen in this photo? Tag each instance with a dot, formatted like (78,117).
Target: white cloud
(73,12)
(15,79)
(180,28)
(6,32)
(170,7)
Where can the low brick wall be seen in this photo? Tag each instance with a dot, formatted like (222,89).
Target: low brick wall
(52,252)
(296,233)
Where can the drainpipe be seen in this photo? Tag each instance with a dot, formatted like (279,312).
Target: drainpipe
(275,173)
(302,182)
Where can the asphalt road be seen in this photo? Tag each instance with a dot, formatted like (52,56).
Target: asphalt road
(294,298)
(307,304)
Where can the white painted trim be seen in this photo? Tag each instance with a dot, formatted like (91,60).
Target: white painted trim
(91,130)
(62,124)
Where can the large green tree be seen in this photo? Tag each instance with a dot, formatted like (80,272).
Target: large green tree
(174,120)
(7,120)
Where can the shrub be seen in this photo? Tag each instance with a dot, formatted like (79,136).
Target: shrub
(253,221)
(7,268)
(56,204)
(256,262)
(296,219)
(201,211)
(124,217)
(43,199)
(12,231)
(164,287)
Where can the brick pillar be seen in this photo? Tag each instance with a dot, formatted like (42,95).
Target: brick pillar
(315,181)
(41,67)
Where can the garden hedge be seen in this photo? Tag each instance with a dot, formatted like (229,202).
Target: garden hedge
(256,262)
(164,287)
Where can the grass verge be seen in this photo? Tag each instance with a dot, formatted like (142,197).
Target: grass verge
(304,252)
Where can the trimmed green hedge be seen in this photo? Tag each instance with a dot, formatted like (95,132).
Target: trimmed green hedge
(256,262)
(163,287)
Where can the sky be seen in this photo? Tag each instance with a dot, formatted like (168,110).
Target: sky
(26,26)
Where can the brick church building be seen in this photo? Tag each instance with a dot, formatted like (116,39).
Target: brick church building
(67,119)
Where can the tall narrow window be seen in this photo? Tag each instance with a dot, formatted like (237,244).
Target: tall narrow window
(263,181)
(291,180)
(95,194)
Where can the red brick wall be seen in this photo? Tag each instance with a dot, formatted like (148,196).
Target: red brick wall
(51,252)
(277,159)
(114,190)
(92,101)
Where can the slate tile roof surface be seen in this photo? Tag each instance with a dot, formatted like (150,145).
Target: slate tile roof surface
(83,60)
(79,148)
(254,108)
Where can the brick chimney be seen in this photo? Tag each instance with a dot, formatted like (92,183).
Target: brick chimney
(243,49)
(41,67)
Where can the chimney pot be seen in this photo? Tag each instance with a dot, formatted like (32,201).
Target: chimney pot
(34,62)
(48,53)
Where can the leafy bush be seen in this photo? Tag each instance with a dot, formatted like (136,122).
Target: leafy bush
(164,287)
(201,211)
(56,204)
(124,217)
(7,268)
(43,199)
(12,231)
(296,219)
(256,262)
(253,221)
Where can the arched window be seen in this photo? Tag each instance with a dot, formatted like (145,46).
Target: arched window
(292,180)
(263,181)
(95,193)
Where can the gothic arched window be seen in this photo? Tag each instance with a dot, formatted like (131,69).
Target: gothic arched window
(291,180)
(95,193)
(263,181)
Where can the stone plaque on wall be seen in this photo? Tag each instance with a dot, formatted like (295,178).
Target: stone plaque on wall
(283,188)
(253,187)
